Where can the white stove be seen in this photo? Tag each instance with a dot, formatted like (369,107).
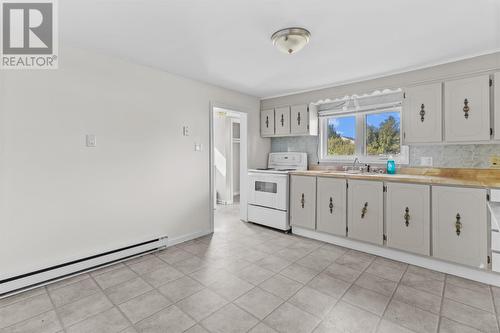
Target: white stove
(268,189)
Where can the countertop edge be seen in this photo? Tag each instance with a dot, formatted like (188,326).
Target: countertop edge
(400,178)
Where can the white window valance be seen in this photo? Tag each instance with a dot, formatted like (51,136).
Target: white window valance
(376,101)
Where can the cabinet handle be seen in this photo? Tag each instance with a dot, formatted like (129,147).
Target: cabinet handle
(302,201)
(364,210)
(331,205)
(282,120)
(267,121)
(422,112)
(458,225)
(407,216)
(298,119)
(466,108)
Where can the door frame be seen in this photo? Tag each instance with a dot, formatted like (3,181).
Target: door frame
(243,116)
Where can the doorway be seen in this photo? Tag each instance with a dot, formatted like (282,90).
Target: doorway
(228,164)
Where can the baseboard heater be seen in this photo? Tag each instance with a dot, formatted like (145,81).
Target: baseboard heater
(43,276)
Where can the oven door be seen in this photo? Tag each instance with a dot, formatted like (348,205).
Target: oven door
(268,190)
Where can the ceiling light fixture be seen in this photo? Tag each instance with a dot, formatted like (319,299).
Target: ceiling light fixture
(291,40)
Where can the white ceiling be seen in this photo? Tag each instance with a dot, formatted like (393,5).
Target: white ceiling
(226,42)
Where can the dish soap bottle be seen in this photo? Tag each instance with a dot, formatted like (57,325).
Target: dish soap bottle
(391,166)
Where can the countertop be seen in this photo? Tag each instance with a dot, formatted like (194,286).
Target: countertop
(484,178)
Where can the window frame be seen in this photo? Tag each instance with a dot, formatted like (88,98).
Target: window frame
(360,141)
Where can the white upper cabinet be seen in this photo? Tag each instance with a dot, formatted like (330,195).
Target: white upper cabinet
(299,119)
(282,120)
(295,120)
(496,101)
(467,109)
(365,200)
(267,122)
(304,120)
(459,224)
(422,114)
(408,217)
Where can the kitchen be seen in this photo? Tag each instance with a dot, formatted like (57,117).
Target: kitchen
(317,167)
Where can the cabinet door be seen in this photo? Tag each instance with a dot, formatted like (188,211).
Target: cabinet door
(303,201)
(283,120)
(467,109)
(459,225)
(408,217)
(422,114)
(496,101)
(299,119)
(331,206)
(366,211)
(267,122)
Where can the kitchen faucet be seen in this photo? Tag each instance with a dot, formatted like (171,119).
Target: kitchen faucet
(356,160)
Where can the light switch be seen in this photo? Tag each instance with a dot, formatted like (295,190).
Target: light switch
(197,147)
(91,140)
(185,130)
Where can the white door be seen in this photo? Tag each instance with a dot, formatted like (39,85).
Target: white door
(422,114)
(459,225)
(408,217)
(299,118)
(331,206)
(267,122)
(496,99)
(366,211)
(467,109)
(282,120)
(303,201)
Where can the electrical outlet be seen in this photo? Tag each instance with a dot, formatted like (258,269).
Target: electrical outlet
(426,161)
(495,161)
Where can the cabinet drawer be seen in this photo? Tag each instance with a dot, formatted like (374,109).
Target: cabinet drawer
(408,217)
(331,206)
(460,225)
(366,211)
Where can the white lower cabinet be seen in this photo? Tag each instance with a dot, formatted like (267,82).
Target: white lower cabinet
(447,222)
(331,206)
(366,211)
(408,217)
(303,202)
(460,225)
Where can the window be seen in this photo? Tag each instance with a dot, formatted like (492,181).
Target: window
(383,136)
(341,134)
(372,136)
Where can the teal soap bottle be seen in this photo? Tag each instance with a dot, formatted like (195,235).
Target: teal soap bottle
(391,166)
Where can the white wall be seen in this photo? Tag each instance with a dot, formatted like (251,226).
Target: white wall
(482,64)
(60,200)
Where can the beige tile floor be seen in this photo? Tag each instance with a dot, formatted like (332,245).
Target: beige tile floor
(247,278)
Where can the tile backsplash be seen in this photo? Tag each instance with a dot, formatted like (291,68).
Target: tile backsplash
(449,156)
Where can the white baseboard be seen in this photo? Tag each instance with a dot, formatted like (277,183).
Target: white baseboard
(188,237)
(65,270)
(417,260)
